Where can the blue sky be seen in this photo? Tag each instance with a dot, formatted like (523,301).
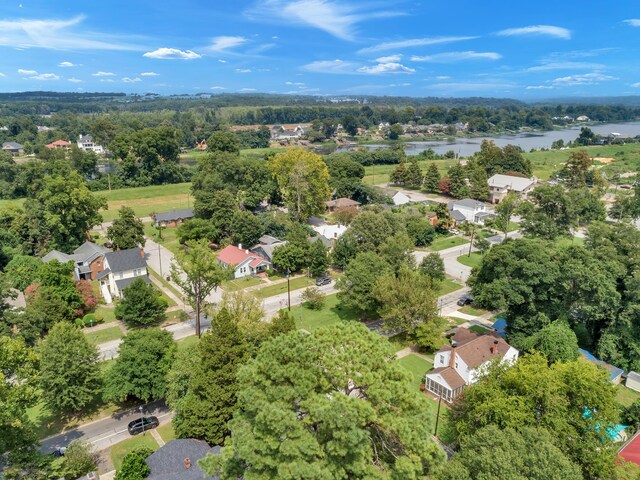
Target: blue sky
(524,50)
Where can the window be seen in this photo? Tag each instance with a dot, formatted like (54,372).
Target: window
(456,365)
(441,358)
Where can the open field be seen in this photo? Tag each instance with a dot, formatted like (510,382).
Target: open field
(377,174)
(447,286)
(240,284)
(166,432)
(447,242)
(277,289)
(331,314)
(469,310)
(148,200)
(625,396)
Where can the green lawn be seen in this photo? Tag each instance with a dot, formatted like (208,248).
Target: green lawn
(106,312)
(277,289)
(447,286)
(240,284)
(472,260)
(447,242)
(565,242)
(378,174)
(119,450)
(187,342)
(331,314)
(104,335)
(166,432)
(169,238)
(164,283)
(625,396)
(479,329)
(469,310)
(147,200)
(417,366)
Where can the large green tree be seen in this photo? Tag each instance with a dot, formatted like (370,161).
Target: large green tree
(303,179)
(145,357)
(133,465)
(357,284)
(432,178)
(318,258)
(69,374)
(198,272)
(142,304)
(330,404)
(493,453)
(127,230)
(557,342)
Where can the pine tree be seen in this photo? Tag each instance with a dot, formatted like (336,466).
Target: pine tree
(432,178)
(69,373)
(414,175)
(458,187)
(478,184)
(399,174)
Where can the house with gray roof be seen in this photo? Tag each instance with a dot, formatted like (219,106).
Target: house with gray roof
(88,260)
(172,218)
(500,185)
(120,269)
(86,143)
(178,460)
(266,245)
(13,148)
(469,210)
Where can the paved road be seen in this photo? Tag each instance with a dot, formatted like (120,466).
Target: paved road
(105,432)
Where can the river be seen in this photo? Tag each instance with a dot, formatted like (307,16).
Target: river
(465,147)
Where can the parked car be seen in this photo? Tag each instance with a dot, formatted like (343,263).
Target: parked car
(59,451)
(465,300)
(324,280)
(142,424)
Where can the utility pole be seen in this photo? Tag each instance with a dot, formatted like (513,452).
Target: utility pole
(473,233)
(160,261)
(438,414)
(288,290)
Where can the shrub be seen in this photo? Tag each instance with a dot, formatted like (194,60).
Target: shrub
(313,298)
(134,466)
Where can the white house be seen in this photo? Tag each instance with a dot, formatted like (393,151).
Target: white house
(472,211)
(464,362)
(120,269)
(399,198)
(88,260)
(500,185)
(86,143)
(243,262)
(332,232)
(633,381)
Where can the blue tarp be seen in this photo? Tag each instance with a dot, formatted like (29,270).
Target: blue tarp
(500,326)
(614,372)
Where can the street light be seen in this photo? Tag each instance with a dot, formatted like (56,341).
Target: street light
(141,413)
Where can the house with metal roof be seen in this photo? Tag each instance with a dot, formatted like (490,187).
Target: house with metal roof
(243,262)
(178,460)
(500,185)
(342,202)
(615,373)
(172,218)
(88,260)
(120,269)
(463,362)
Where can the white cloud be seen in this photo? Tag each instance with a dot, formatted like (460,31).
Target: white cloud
(131,80)
(468,86)
(247,90)
(540,87)
(22,71)
(45,76)
(68,65)
(338,18)
(172,54)
(452,57)
(537,30)
(103,74)
(382,68)
(222,61)
(330,66)
(634,22)
(2,75)
(149,74)
(593,78)
(565,66)
(636,85)
(74,80)
(389,58)
(443,77)
(218,44)
(57,35)
(243,70)
(218,88)
(412,42)
(297,84)
(400,85)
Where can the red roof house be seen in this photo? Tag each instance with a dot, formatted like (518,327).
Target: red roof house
(631,451)
(59,144)
(243,261)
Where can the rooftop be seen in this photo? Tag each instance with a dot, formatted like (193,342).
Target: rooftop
(614,372)
(342,203)
(125,260)
(171,215)
(232,255)
(476,349)
(517,184)
(168,462)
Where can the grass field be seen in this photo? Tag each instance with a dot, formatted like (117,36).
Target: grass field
(479,329)
(187,342)
(469,310)
(277,289)
(166,432)
(106,312)
(331,314)
(564,242)
(470,261)
(447,242)
(417,366)
(240,284)
(104,335)
(625,396)
(119,450)
(169,238)
(164,282)
(148,200)
(447,286)
(377,174)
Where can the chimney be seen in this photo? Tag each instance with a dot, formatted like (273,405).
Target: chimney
(240,246)
(494,348)
(142,252)
(452,359)
(247,252)
(187,463)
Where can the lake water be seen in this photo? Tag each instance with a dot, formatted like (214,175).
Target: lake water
(465,147)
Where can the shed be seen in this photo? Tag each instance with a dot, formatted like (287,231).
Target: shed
(633,381)
(615,373)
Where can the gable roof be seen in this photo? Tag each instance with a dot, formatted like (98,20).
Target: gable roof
(457,215)
(57,255)
(517,184)
(85,139)
(125,282)
(450,376)
(89,249)
(179,214)
(11,146)
(167,463)
(232,255)
(467,202)
(125,260)
(631,451)
(58,143)
(475,349)
(268,240)
(614,372)
(266,250)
